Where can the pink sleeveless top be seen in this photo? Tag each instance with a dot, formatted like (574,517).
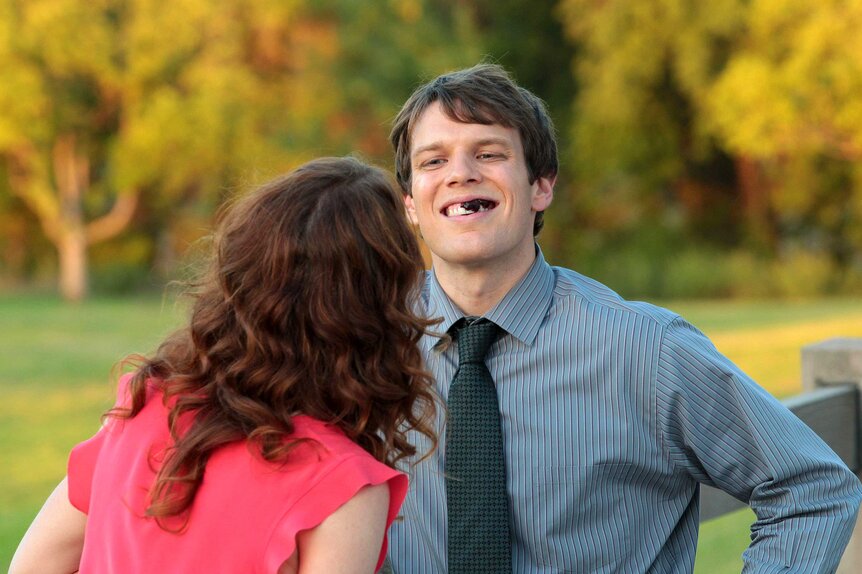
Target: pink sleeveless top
(246,513)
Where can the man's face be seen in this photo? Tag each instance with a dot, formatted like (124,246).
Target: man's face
(471,195)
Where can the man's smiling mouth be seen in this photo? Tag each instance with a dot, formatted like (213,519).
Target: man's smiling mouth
(469,207)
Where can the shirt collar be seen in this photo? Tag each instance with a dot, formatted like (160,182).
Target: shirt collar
(519,313)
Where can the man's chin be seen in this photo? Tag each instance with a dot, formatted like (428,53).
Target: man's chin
(465,256)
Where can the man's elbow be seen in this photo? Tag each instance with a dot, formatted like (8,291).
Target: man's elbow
(856,489)
(848,496)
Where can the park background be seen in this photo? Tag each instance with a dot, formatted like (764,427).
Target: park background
(711,161)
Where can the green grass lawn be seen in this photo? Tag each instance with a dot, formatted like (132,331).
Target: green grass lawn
(55,380)
(56,362)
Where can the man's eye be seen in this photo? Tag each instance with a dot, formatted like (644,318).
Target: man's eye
(489,155)
(432,162)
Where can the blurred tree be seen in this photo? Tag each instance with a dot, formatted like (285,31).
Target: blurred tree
(528,39)
(25,255)
(111,101)
(788,101)
(733,122)
(49,91)
(792,86)
(384,50)
(122,111)
(725,125)
(639,133)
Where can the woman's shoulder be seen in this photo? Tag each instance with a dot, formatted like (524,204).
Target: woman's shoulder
(333,475)
(329,461)
(318,449)
(326,440)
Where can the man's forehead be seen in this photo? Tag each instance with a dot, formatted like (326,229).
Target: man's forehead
(434,127)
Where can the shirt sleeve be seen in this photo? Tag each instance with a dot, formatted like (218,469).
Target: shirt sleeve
(82,464)
(728,432)
(326,496)
(84,456)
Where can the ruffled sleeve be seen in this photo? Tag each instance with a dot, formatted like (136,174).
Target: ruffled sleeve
(326,496)
(83,458)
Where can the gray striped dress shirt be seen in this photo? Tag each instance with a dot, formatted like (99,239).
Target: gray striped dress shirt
(613,412)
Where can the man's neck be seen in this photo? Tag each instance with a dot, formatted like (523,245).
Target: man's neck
(476,289)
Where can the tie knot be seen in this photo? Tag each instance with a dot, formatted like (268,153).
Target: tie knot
(474,340)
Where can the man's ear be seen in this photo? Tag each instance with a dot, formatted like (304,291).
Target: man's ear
(543,192)
(411,209)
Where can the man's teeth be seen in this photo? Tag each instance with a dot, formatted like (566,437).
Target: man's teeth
(468,207)
(458,210)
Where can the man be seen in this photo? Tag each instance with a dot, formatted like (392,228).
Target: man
(611,412)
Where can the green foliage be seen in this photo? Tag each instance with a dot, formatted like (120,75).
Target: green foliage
(177,103)
(697,273)
(744,110)
(649,263)
(128,96)
(727,126)
(793,87)
(121,266)
(796,274)
(384,50)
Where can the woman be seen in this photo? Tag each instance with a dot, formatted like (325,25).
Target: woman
(262,436)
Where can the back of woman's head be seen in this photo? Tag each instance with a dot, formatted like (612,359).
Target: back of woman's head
(308,308)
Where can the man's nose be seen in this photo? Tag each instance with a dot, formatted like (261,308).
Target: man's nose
(463,169)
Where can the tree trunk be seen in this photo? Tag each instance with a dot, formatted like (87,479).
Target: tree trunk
(72,250)
(56,195)
(71,174)
(757,213)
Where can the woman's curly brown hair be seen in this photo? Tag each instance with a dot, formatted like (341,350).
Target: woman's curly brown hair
(308,307)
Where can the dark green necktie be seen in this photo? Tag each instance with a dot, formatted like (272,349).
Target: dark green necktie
(478,504)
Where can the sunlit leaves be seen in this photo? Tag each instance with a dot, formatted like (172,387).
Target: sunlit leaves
(794,85)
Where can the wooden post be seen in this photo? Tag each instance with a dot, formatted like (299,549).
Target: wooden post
(837,362)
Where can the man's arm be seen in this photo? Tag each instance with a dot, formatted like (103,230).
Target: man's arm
(726,431)
(55,539)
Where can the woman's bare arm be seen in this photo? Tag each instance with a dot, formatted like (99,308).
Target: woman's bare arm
(349,540)
(55,540)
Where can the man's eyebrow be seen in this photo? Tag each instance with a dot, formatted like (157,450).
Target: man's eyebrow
(428,147)
(493,140)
